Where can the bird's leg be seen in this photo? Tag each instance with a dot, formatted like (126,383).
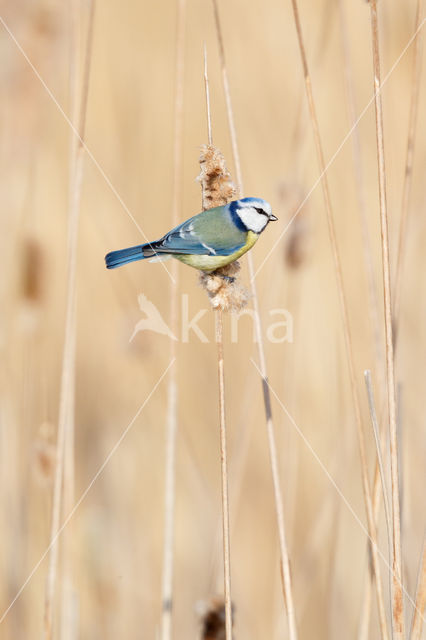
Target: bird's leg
(228,273)
(230,279)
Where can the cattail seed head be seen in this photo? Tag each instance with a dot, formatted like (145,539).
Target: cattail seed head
(223,289)
(216,183)
(212,616)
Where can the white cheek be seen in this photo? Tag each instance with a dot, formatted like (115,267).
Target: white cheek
(254,221)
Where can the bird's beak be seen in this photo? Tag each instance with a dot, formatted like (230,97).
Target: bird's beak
(272,218)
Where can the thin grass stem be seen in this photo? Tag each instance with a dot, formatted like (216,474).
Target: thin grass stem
(369,576)
(361,195)
(207,93)
(375,425)
(222,406)
(68,626)
(346,326)
(66,404)
(409,158)
(172,389)
(224,470)
(420,605)
(278,499)
(397,591)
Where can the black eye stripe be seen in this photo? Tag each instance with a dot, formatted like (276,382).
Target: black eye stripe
(259,210)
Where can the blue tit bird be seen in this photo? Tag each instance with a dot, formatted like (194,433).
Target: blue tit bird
(210,240)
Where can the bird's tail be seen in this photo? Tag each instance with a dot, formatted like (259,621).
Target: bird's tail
(131,254)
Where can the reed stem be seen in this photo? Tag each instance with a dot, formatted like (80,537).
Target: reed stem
(218,313)
(397,595)
(420,604)
(278,500)
(409,158)
(66,406)
(224,472)
(172,390)
(346,327)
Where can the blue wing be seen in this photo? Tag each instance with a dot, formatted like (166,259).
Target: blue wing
(209,233)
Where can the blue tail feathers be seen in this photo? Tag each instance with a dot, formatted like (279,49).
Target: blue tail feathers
(131,254)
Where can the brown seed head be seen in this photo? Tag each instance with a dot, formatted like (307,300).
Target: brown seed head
(216,183)
(212,615)
(223,288)
(224,291)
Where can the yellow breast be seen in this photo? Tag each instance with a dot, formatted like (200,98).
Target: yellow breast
(210,263)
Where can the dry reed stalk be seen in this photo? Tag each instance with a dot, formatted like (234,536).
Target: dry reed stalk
(408,175)
(369,576)
(346,328)
(207,95)
(66,405)
(68,623)
(418,619)
(378,483)
(367,591)
(218,189)
(223,463)
(278,499)
(172,391)
(397,591)
(67,616)
(373,306)
(379,454)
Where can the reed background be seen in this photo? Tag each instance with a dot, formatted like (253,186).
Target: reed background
(117,531)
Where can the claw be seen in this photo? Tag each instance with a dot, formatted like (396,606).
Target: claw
(229,279)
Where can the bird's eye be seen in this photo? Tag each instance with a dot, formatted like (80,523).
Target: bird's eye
(259,210)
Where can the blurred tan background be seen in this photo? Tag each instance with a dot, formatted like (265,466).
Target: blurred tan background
(116,534)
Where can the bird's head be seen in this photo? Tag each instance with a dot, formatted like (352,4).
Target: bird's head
(252,213)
